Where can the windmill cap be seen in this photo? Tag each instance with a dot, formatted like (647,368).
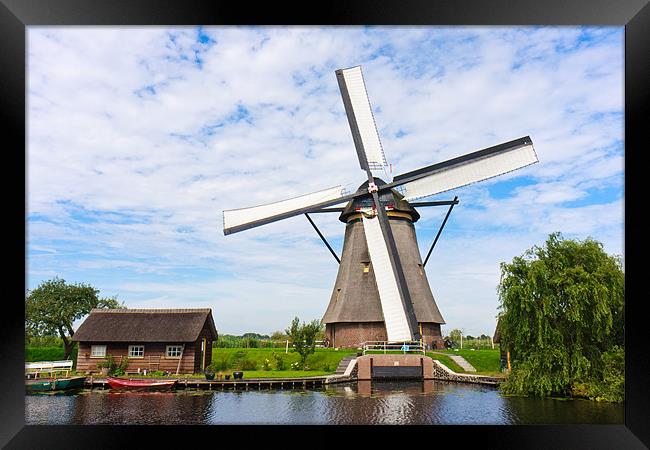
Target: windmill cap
(385,198)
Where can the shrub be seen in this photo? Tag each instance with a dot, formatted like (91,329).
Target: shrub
(266,365)
(279,361)
(220,363)
(248,364)
(114,369)
(212,368)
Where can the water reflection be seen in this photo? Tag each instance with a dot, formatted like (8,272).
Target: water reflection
(430,402)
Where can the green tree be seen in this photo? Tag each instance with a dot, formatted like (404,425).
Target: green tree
(53,306)
(454,336)
(278,336)
(303,338)
(561,317)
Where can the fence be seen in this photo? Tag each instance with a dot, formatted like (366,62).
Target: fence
(393,347)
(34,369)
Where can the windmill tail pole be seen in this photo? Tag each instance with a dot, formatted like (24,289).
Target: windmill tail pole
(329,247)
(439,231)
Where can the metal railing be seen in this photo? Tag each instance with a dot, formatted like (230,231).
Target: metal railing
(393,347)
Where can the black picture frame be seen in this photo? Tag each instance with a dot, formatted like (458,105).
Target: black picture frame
(16,15)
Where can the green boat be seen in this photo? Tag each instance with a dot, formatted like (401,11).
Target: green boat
(54,384)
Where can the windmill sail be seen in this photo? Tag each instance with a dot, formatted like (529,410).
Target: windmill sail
(397,325)
(235,220)
(360,118)
(467,169)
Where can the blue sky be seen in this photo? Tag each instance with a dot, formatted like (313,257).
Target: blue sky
(138,139)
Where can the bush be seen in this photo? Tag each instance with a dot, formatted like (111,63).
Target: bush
(114,369)
(279,361)
(221,363)
(266,365)
(248,364)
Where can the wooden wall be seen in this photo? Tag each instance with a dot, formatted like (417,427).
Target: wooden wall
(153,352)
(207,334)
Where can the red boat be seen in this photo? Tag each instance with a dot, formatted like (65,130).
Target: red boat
(123,383)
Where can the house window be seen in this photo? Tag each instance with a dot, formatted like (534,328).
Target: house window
(97,351)
(174,351)
(136,351)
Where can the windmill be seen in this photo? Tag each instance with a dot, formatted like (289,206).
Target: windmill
(381,292)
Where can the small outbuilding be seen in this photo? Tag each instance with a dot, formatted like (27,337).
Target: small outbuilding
(172,340)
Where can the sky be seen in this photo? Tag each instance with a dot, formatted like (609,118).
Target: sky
(139,138)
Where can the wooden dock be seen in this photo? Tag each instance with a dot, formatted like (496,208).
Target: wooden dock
(240,384)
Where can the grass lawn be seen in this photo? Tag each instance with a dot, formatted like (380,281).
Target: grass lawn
(486,362)
(251,360)
(447,361)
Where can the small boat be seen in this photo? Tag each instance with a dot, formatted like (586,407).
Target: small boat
(54,384)
(124,383)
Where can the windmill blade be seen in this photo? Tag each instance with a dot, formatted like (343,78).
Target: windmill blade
(360,118)
(235,220)
(395,317)
(467,169)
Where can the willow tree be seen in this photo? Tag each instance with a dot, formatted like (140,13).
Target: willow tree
(54,305)
(561,317)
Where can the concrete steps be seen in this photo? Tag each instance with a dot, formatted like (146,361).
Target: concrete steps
(340,370)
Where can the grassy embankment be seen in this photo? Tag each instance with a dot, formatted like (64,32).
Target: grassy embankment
(486,362)
(252,361)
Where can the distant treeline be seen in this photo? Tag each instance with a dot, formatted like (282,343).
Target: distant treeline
(249,340)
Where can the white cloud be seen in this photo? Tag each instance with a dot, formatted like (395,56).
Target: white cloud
(126,187)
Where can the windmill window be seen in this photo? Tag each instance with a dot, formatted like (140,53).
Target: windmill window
(421,268)
(366,266)
(338,293)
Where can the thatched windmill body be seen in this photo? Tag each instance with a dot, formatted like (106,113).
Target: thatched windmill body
(381,291)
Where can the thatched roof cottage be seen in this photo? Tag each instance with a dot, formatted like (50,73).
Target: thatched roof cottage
(173,340)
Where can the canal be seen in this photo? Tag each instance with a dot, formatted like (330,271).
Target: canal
(428,402)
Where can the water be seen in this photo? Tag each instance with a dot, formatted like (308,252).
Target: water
(429,402)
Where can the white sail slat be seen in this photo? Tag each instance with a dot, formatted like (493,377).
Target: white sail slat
(364,118)
(470,172)
(395,318)
(243,216)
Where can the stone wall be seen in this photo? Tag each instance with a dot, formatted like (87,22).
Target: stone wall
(442,372)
